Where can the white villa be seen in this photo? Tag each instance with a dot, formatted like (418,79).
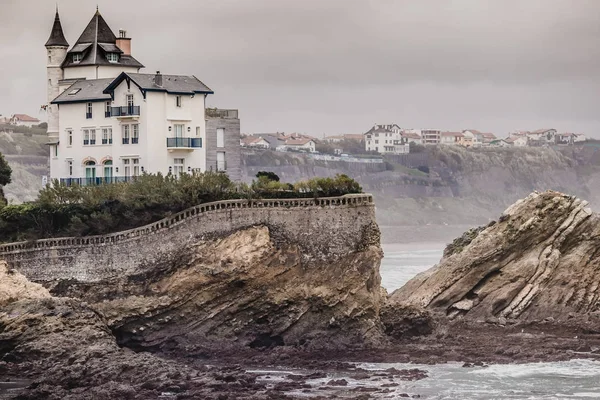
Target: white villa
(109,122)
(386,139)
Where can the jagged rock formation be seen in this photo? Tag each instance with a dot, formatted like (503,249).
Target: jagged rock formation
(540,260)
(243,290)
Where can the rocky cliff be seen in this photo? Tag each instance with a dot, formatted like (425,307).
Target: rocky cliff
(539,261)
(242,290)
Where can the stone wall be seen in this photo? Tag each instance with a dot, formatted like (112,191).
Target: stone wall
(324,228)
(230,122)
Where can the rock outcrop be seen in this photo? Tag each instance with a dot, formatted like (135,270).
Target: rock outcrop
(540,260)
(243,290)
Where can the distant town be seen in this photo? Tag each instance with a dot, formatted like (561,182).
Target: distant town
(392,139)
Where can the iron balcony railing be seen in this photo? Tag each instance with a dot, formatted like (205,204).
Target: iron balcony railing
(96,181)
(125,111)
(175,142)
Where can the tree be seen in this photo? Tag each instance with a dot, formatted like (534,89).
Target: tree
(5,171)
(272,176)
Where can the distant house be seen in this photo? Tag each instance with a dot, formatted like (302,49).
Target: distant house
(300,145)
(384,139)
(475,138)
(24,120)
(518,141)
(579,137)
(431,136)
(542,136)
(254,141)
(411,137)
(452,138)
(564,139)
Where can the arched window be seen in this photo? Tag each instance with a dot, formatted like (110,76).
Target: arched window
(90,172)
(108,170)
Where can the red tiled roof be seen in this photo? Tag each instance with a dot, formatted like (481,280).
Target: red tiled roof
(454,134)
(25,118)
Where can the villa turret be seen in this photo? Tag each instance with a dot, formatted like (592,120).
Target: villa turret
(56,48)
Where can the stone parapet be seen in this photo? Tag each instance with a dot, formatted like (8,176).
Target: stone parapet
(324,228)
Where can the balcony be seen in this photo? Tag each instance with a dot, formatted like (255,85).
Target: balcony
(96,181)
(184,143)
(126,111)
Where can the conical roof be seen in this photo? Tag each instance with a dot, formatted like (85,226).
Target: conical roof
(96,41)
(57,37)
(97,31)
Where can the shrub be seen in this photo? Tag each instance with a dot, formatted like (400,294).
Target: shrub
(269,175)
(62,210)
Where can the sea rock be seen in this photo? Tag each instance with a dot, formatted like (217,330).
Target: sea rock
(244,290)
(538,261)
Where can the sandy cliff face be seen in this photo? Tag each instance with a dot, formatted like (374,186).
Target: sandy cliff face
(244,290)
(540,260)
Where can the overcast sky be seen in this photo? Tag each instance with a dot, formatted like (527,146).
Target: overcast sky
(339,66)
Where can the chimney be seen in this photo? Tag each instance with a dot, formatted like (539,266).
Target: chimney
(158,79)
(124,43)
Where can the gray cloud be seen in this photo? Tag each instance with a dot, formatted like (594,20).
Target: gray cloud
(331,66)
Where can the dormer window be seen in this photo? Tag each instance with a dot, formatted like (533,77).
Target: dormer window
(112,57)
(77,57)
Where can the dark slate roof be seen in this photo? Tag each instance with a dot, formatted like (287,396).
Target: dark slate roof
(57,37)
(89,90)
(96,40)
(176,84)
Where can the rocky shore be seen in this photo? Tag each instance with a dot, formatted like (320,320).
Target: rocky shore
(248,316)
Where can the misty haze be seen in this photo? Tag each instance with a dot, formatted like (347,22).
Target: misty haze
(299,199)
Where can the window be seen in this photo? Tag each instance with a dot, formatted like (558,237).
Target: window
(220,137)
(198,131)
(179,130)
(107,110)
(92,136)
(106,135)
(55,148)
(126,167)
(70,167)
(69,137)
(178,166)
(221,164)
(130,104)
(136,166)
(77,57)
(377,142)
(178,101)
(90,172)
(108,170)
(86,137)
(74,92)
(125,134)
(135,134)
(88,109)
(112,57)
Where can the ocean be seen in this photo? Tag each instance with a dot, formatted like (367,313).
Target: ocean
(576,379)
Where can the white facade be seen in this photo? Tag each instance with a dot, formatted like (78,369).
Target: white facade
(385,139)
(107,122)
(131,144)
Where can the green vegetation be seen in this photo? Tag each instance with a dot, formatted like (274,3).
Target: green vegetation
(269,175)
(62,210)
(5,178)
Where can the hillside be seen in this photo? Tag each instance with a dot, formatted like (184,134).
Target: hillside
(27,155)
(464,187)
